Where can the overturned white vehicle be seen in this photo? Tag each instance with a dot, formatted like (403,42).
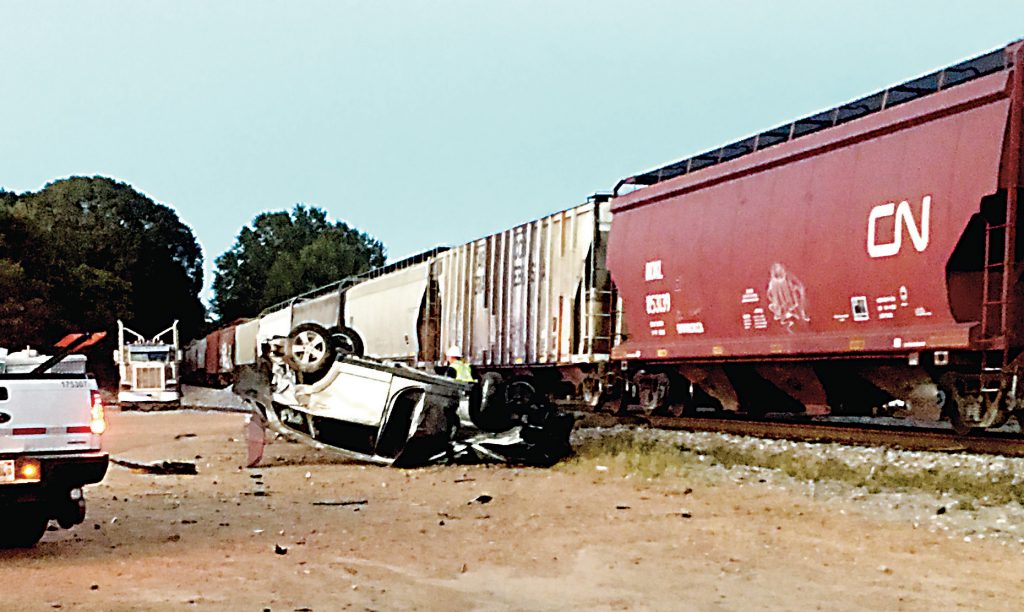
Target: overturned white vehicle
(312,386)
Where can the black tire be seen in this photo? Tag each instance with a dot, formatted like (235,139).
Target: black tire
(346,341)
(487,407)
(309,349)
(22,526)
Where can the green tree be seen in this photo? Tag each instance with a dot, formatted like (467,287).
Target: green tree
(284,254)
(83,252)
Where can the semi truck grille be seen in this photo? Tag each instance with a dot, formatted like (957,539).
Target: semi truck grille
(149,378)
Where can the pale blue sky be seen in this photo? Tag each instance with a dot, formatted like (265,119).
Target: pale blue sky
(428,123)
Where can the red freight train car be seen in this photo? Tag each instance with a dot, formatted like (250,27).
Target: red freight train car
(866,254)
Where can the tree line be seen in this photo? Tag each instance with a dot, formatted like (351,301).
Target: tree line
(83,252)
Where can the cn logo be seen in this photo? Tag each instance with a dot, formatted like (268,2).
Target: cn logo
(902,219)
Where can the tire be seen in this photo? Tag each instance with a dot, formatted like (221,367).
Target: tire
(347,342)
(487,407)
(22,526)
(309,349)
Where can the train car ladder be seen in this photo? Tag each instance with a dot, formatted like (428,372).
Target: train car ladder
(999,276)
(993,309)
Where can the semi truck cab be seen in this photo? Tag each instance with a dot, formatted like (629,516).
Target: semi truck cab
(148,368)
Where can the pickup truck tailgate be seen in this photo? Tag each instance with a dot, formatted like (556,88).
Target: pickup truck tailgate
(46,414)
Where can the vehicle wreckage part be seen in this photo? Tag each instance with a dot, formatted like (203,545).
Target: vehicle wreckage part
(488,408)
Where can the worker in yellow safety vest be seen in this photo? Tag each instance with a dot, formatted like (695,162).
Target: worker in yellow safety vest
(463,371)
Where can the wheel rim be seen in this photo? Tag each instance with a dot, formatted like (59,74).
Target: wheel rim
(308,347)
(345,343)
(519,393)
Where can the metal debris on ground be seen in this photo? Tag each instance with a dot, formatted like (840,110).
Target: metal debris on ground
(159,468)
(341,502)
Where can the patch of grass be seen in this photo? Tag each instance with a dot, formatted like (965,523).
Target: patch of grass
(646,456)
(981,487)
(625,453)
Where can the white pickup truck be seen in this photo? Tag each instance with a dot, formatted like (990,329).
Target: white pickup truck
(51,424)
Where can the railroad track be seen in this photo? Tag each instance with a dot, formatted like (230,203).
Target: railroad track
(858,434)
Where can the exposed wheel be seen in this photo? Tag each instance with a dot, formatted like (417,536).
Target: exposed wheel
(347,341)
(652,392)
(591,391)
(961,425)
(309,349)
(22,526)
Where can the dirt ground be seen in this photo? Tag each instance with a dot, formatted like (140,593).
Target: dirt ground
(424,539)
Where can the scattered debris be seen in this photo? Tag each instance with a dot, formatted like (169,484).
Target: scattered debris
(159,468)
(184,435)
(458,480)
(622,507)
(341,502)
(481,499)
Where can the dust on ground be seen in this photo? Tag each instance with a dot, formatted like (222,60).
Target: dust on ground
(311,531)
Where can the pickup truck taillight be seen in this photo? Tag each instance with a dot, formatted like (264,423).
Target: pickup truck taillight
(97,420)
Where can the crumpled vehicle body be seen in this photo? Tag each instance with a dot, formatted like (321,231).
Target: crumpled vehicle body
(390,414)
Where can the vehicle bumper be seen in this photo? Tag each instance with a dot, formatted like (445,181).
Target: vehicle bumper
(58,474)
(147,396)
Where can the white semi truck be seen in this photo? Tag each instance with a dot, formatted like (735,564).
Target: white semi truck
(148,368)
(51,424)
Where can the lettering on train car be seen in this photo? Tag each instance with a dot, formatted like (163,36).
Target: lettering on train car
(652,270)
(902,218)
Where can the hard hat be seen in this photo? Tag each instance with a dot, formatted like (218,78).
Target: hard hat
(454,351)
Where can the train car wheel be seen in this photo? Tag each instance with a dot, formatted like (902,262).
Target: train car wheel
(591,391)
(309,349)
(962,426)
(652,392)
